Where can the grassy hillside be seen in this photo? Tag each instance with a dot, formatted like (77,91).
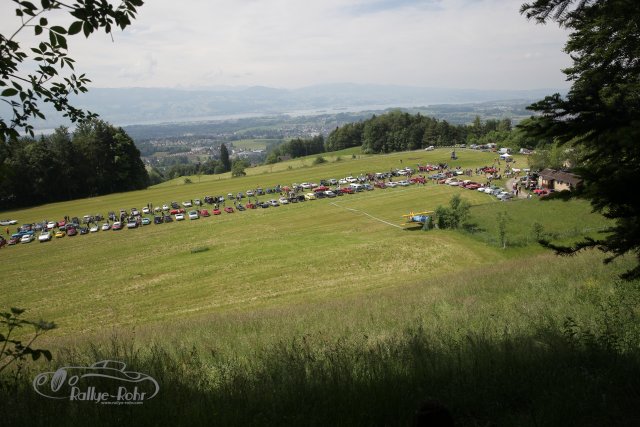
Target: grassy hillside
(328,313)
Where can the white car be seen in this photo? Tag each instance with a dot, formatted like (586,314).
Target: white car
(283,201)
(351,179)
(343,181)
(193,215)
(27,238)
(157,209)
(51,225)
(306,185)
(45,236)
(488,190)
(179,217)
(391,184)
(404,183)
(249,193)
(186,204)
(93,228)
(165,207)
(105,226)
(146,210)
(273,203)
(430,148)
(333,181)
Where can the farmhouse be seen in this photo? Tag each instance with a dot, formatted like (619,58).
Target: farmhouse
(558,180)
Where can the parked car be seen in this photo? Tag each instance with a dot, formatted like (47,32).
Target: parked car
(116,226)
(310,196)
(250,205)
(204,212)
(59,234)
(158,220)
(106,226)
(216,211)
(51,225)
(197,202)
(83,230)
(229,209)
(240,207)
(94,228)
(175,205)
(146,210)
(165,207)
(167,218)
(27,238)
(45,236)
(135,211)
(71,231)
(179,217)
(273,203)
(176,211)
(187,204)
(132,223)
(145,221)
(194,215)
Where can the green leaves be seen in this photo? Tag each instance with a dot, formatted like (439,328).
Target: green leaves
(47,83)
(75,28)
(9,92)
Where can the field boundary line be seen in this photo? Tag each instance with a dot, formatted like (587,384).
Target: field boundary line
(367,214)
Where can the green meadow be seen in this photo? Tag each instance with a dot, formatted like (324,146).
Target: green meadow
(329,312)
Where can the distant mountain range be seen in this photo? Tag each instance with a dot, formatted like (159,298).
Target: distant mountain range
(125,106)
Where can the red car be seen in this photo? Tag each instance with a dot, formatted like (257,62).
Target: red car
(321,188)
(347,190)
(418,180)
(216,212)
(61,223)
(176,211)
(250,206)
(380,184)
(541,191)
(228,209)
(204,212)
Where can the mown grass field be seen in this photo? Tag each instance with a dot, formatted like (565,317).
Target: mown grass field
(326,313)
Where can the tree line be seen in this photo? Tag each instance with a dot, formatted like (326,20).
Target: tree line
(401,131)
(297,147)
(96,159)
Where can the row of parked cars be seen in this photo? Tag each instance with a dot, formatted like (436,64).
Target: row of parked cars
(493,190)
(195,208)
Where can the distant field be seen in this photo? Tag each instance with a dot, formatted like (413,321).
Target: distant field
(253,144)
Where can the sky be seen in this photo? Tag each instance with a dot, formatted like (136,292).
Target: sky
(479,44)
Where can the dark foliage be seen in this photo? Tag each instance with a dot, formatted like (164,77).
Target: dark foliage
(97,159)
(601,112)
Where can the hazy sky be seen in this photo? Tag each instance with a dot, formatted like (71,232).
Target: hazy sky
(483,44)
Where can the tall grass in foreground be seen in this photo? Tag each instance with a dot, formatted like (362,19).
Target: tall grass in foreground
(554,343)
